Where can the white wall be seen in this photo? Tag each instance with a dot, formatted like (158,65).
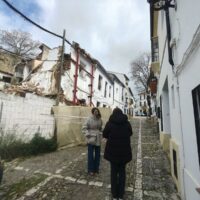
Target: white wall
(184,25)
(99,94)
(118,96)
(188,80)
(44,78)
(83,90)
(26,116)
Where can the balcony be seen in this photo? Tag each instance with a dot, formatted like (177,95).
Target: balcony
(155,65)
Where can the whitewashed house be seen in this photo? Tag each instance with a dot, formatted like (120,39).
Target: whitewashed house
(77,80)
(83,80)
(118,91)
(127,95)
(103,94)
(142,103)
(175,36)
(88,78)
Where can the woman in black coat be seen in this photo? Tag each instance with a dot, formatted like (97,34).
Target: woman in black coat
(118,150)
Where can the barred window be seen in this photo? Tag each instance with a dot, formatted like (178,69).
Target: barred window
(155,49)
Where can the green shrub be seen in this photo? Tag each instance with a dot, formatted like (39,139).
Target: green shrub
(12,147)
(39,144)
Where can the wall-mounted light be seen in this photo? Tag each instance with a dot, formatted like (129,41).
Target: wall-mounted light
(163,4)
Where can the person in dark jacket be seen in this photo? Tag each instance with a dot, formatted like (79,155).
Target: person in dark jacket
(117,131)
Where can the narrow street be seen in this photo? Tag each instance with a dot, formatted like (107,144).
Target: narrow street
(62,175)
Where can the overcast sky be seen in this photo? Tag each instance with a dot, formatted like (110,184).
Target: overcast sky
(114,32)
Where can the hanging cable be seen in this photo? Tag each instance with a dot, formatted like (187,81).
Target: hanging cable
(32,22)
(42,28)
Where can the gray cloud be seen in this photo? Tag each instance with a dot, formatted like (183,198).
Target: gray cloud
(113,31)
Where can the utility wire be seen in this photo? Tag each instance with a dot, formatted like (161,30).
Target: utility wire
(32,22)
(39,26)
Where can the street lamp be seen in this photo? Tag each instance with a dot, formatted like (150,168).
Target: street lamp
(165,5)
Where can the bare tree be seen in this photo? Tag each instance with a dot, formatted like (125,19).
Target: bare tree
(19,43)
(140,71)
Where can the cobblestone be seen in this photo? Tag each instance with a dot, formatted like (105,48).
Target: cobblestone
(148,174)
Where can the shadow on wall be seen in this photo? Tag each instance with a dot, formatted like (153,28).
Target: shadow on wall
(69,120)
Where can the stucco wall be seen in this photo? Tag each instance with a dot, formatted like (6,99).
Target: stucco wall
(180,86)
(69,120)
(99,94)
(26,116)
(188,80)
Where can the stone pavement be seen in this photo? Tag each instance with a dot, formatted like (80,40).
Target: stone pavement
(62,175)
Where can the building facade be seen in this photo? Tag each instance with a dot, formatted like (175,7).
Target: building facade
(126,92)
(175,41)
(80,80)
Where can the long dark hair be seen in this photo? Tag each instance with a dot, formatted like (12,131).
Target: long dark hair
(117,111)
(99,114)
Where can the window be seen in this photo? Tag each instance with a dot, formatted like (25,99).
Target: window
(6,79)
(100,82)
(154,49)
(196,106)
(110,91)
(175,164)
(19,70)
(98,104)
(116,90)
(82,70)
(105,91)
(173,96)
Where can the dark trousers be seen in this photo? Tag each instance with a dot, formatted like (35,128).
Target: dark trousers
(118,179)
(93,158)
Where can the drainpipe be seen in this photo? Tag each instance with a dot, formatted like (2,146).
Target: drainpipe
(76,77)
(92,80)
(169,36)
